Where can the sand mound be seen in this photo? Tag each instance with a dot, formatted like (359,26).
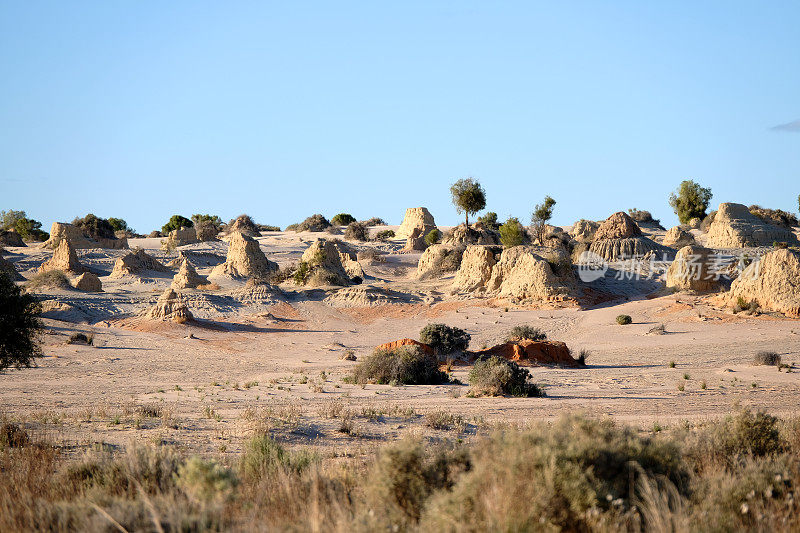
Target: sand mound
(475,270)
(618,226)
(8,267)
(677,237)
(437,260)
(773,282)
(619,238)
(525,273)
(368,296)
(532,352)
(180,237)
(405,342)
(245,259)
(88,282)
(463,236)
(324,264)
(735,227)
(416,217)
(134,263)
(170,306)
(64,258)
(258,293)
(187,277)
(11,238)
(584,230)
(244,225)
(61,231)
(692,270)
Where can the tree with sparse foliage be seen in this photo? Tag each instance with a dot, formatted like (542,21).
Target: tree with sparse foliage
(214,220)
(512,233)
(9,219)
(176,222)
(433,237)
(468,197)
(94,226)
(444,339)
(20,326)
(542,214)
(690,201)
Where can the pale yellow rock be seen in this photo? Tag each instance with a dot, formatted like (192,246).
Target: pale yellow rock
(773,282)
(676,237)
(137,262)
(416,217)
(244,260)
(735,227)
(475,270)
(693,270)
(64,259)
(88,282)
(324,262)
(187,277)
(170,306)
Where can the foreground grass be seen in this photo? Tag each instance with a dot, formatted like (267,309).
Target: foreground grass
(576,474)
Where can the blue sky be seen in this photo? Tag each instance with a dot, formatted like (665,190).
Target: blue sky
(144,109)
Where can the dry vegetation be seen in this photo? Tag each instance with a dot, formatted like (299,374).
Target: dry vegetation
(575,474)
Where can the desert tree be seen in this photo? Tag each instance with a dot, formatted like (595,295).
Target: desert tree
(118,224)
(468,197)
(542,213)
(690,201)
(20,326)
(489,220)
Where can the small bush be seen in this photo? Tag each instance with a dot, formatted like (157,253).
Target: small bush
(489,220)
(343,219)
(52,279)
(640,215)
(356,231)
(176,222)
(512,233)
(443,420)
(205,481)
(267,227)
(406,365)
(313,223)
(374,221)
(767,358)
(496,376)
(690,201)
(444,339)
(519,333)
(583,356)
(264,457)
(12,436)
(302,272)
(385,235)
(433,237)
(624,320)
(780,245)
(81,338)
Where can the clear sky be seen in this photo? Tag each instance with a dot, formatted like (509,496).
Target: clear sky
(143,109)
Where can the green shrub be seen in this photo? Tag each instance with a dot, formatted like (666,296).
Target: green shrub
(51,279)
(496,376)
(95,226)
(263,457)
(576,474)
(302,272)
(406,365)
(767,358)
(444,339)
(624,320)
(81,338)
(205,481)
(356,231)
(489,220)
(531,333)
(27,228)
(690,201)
(405,475)
(385,235)
(433,237)
(640,215)
(343,219)
(267,227)
(375,221)
(176,222)
(542,213)
(118,224)
(512,233)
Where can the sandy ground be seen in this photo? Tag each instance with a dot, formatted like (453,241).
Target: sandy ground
(275,363)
